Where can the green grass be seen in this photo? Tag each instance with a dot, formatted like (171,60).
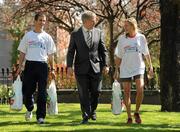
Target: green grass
(69,117)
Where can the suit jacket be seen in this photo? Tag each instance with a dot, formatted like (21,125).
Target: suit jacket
(95,56)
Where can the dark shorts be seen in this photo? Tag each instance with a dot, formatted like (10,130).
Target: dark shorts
(129,79)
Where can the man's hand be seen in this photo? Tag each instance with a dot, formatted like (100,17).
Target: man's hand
(69,72)
(18,72)
(53,74)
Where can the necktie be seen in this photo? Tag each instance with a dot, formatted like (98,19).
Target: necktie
(89,39)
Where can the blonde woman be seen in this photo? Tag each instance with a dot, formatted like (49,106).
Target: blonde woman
(129,57)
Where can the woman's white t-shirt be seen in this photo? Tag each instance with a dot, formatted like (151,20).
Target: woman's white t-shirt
(130,50)
(37,46)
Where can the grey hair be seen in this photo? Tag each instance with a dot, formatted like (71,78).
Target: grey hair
(87,15)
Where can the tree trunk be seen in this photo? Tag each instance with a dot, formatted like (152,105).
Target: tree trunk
(111,49)
(170,55)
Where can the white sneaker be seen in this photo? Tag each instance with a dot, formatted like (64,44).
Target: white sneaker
(28,115)
(40,121)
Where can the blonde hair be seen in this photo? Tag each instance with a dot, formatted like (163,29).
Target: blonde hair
(133,22)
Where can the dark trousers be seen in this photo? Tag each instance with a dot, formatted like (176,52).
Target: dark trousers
(35,74)
(89,86)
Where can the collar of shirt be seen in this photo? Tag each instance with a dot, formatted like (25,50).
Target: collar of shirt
(85,29)
(85,32)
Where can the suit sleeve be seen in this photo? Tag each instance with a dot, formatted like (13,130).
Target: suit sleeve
(71,51)
(102,50)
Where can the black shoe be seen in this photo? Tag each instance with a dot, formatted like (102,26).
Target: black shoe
(93,116)
(40,121)
(84,121)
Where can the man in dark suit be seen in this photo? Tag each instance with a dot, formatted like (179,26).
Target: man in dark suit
(88,48)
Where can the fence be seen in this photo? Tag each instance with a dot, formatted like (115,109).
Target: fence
(5,84)
(65,83)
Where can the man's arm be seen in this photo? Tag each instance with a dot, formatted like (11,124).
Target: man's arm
(70,55)
(21,60)
(51,61)
(71,51)
(103,51)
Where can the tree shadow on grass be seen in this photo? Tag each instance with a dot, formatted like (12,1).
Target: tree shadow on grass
(95,124)
(72,118)
(119,127)
(10,112)
(109,110)
(16,123)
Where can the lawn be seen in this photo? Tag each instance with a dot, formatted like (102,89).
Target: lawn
(69,117)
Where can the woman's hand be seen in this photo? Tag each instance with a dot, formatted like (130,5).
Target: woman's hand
(116,74)
(151,72)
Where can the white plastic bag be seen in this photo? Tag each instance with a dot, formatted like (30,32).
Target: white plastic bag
(52,105)
(117,102)
(16,101)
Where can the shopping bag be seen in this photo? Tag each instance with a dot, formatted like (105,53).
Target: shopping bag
(52,105)
(16,100)
(117,101)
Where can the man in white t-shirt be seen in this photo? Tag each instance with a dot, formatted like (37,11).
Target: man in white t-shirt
(37,48)
(129,51)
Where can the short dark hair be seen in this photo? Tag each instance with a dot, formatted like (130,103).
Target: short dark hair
(39,14)
(87,15)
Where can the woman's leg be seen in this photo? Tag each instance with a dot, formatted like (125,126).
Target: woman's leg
(127,97)
(139,97)
(139,93)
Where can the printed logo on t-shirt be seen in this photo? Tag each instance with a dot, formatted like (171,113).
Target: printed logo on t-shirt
(131,48)
(36,44)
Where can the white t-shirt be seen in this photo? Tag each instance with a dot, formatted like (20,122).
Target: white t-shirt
(37,46)
(130,50)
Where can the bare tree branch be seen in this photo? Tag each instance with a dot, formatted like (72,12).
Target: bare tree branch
(147,32)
